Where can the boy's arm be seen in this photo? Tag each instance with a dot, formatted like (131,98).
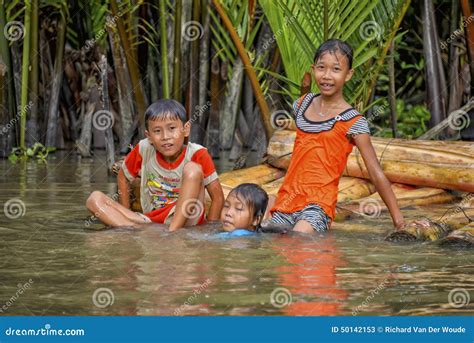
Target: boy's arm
(217,200)
(378,178)
(124,189)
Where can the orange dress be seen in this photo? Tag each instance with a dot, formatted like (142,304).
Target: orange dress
(319,157)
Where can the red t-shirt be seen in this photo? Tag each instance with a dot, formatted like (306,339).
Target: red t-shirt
(160,180)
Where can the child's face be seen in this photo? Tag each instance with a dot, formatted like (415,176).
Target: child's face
(331,71)
(167,136)
(236,214)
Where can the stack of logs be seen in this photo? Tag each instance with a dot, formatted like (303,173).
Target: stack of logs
(422,173)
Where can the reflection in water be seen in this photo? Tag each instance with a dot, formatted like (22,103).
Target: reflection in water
(311,273)
(192,272)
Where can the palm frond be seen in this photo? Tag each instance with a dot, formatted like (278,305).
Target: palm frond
(367,25)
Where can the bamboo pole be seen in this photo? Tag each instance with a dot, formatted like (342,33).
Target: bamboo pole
(176,91)
(57,78)
(164,51)
(32,124)
(24,74)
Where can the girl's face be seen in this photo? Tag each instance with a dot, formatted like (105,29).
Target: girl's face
(331,71)
(236,214)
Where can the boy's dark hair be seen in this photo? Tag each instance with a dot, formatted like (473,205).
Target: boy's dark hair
(165,109)
(254,197)
(332,46)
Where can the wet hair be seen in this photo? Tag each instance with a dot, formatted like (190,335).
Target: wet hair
(254,197)
(165,109)
(332,46)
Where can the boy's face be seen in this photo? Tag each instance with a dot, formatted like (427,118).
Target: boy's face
(331,71)
(236,214)
(167,136)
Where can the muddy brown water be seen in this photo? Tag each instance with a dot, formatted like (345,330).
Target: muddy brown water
(52,263)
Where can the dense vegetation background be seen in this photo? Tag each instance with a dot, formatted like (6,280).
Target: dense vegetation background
(79,74)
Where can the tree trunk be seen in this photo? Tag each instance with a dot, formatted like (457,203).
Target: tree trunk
(51,131)
(212,132)
(24,108)
(262,104)
(469,32)
(204,104)
(7,89)
(140,104)
(192,103)
(228,116)
(391,90)
(124,96)
(165,80)
(90,98)
(177,52)
(434,76)
(109,136)
(32,123)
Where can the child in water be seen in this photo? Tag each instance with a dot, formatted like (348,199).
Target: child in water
(244,208)
(174,176)
(327,129)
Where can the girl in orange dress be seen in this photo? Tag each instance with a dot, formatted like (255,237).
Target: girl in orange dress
(327,129)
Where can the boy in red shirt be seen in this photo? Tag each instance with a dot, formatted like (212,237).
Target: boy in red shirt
(174,176)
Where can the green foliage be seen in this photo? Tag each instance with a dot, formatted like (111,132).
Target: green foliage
(412,120)
(369,26)
(38,151)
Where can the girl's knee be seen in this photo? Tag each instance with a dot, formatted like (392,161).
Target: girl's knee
(193,170)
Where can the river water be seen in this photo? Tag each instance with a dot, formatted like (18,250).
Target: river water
(52,263)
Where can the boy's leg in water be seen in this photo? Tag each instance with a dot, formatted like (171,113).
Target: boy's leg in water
(110,212)
(191,197)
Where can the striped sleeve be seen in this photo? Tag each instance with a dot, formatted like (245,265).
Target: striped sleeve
(360,126)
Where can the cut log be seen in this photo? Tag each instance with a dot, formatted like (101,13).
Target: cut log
(436,230)
(351,188)
(463,237)
(373,205)
(259,174)
(438,164)
(418,232)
